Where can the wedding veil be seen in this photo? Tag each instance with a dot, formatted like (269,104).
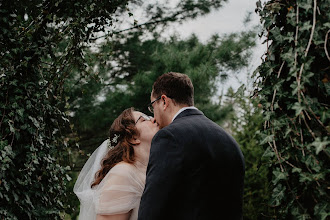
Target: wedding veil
(82,187)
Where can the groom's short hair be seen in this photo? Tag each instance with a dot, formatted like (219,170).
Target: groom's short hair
(176,86)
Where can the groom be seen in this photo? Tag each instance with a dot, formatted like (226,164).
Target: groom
(196,169)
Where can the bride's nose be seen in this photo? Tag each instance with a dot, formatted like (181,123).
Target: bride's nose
(153,120)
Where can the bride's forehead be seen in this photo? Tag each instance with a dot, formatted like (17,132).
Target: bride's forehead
(136,114)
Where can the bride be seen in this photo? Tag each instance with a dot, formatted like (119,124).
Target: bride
(111,183)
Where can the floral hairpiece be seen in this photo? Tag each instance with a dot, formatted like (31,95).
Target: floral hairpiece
(113,142)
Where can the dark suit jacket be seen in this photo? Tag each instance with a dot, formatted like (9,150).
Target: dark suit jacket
(195,171)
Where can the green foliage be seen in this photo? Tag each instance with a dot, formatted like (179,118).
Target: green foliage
(114,62)
(294,94)
(41,42)
(244,122)
(146,60)
(46,72)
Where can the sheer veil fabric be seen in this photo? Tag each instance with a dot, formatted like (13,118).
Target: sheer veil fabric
(119,192)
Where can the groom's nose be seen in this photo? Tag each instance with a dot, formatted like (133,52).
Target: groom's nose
(153,120)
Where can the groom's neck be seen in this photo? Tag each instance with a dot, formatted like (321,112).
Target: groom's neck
(173,111)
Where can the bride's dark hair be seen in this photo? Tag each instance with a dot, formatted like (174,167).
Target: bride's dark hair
(122,132)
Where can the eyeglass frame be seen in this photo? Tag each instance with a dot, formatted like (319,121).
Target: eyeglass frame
(145,117)
(150,107)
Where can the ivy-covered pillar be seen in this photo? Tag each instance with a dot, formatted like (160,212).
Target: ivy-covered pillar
(293,84)
(41,45)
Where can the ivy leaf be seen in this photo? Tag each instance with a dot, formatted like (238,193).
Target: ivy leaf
(278,195)
(306,26)
(28,200)
(266,139)
(318,176)
(15,196)
(278,176)
(327,87)
(296,170)
(20,112)
(319,144)
(288,131)
(11,127)
(6,185)
(276,32)
(305,177)
(268,153)
(322,211)
(35,122)
(298,107)
(297,213)
(306,5)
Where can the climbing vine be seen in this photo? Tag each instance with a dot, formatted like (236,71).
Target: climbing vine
(293,85)
(41,43)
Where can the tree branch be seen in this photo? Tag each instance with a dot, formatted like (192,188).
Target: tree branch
(307,49)
(313,28)
(278,76)
(168,18)
(309,129)
(277,154)
(296,37)
(325,45)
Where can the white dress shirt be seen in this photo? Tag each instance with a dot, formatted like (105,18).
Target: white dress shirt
(182,109)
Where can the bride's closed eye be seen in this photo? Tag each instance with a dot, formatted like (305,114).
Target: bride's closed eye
(143,118)
(146,117)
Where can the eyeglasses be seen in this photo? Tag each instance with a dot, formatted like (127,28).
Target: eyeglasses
(145,117)
(150,107)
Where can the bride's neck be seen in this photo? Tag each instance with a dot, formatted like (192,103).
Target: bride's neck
(142,154)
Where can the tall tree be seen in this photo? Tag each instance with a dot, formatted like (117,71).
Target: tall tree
(294,92)
(244,122)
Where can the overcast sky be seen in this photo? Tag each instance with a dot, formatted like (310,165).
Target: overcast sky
(227,19)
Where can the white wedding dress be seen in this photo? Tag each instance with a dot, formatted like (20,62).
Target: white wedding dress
(119,192)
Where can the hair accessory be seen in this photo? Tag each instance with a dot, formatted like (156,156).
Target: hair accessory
(113,142)
(115,138)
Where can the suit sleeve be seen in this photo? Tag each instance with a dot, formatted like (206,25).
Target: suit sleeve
(163,173)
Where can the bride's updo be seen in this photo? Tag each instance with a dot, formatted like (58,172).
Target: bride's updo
(122,133)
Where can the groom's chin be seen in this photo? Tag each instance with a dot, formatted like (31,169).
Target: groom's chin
(161,126)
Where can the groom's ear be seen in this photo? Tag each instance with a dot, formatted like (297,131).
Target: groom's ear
(165,101)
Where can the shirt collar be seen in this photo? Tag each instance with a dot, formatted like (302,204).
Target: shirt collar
(182,109)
